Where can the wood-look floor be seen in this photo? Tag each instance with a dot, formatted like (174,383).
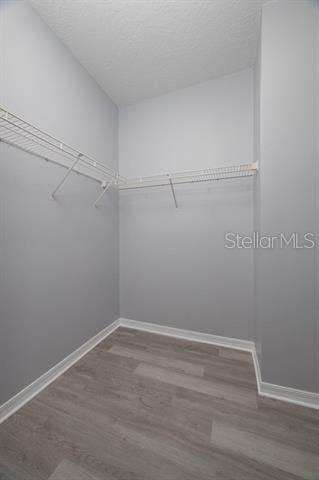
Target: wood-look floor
(147,407)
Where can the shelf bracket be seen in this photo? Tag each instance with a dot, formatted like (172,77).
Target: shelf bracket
(255,166)
(105,187)
(63,179)
(173,191)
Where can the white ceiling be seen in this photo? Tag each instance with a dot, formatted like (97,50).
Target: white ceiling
(137,49)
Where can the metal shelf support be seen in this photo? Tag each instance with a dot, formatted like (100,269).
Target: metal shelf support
(105,188)
(173,191)
(65,176)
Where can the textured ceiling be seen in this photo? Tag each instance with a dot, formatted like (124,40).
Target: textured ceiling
(137,49)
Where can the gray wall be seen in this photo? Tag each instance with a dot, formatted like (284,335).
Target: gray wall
(174,269)
(286,309)
(58,259)
(256,200)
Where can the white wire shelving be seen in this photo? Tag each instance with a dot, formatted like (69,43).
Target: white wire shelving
(21,134)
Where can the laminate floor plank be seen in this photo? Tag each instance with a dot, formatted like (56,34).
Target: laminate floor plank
(148,340)
(69,471)
(234,354)
(100,448)
(123,450)
(99,412)
(268,452)
(201,354)
(211,388)
(293,412)
(232,374)
(162,361)
(270,427)
(142,406)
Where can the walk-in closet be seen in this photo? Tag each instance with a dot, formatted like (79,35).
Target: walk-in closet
(159,266)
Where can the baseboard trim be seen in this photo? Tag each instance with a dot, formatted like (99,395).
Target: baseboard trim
(257,369)
(276,392)
(303,398)
(25,395)
(188,334)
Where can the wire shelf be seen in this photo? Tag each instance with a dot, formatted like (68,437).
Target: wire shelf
(192,176)
(21,134)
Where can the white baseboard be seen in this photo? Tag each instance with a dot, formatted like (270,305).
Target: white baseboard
(291,395)
(25,395)
(257,368)
(277,392)
(188,335)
